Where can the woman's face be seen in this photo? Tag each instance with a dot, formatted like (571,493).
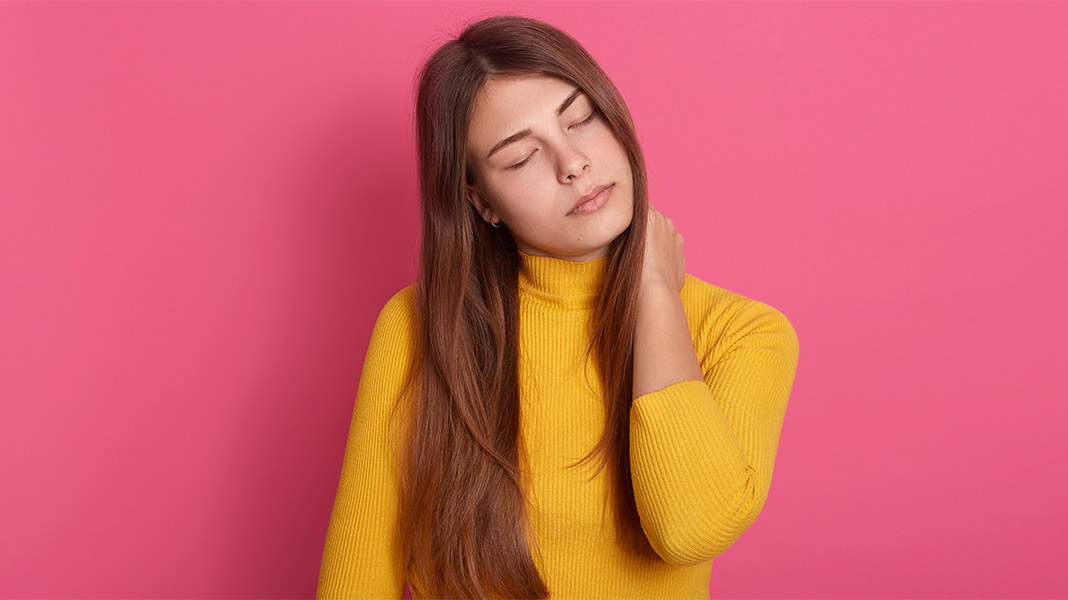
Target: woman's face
(539,147)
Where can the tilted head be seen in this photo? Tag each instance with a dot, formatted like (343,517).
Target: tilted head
(510,75)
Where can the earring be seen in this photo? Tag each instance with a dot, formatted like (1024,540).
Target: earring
(496,224)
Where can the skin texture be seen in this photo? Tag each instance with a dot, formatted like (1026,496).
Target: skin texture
(566,157)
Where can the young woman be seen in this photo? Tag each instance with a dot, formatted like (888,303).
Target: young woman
(552,326)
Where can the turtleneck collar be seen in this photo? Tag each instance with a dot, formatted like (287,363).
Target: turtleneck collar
(562,282)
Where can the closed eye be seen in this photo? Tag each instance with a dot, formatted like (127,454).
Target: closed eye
(593,115)
(585,121)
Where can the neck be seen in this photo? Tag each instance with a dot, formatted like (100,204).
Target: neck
(565,283)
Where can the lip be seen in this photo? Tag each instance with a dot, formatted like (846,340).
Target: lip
(590,202)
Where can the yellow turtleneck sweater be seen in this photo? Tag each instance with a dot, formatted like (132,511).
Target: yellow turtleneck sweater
(702,452)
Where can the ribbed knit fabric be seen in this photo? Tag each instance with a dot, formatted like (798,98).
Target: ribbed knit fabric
(702,452)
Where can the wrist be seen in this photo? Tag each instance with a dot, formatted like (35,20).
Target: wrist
(658,294)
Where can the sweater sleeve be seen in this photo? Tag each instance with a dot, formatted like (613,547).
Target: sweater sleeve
(361,555)
(702,452)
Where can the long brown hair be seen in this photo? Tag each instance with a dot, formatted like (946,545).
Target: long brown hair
(463,509)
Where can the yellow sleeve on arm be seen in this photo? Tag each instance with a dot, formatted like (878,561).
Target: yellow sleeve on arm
(361,555)
(702,453)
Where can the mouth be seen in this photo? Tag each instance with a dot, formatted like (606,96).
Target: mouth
(595,199)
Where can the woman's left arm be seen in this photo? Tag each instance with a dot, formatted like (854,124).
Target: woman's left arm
(703,437)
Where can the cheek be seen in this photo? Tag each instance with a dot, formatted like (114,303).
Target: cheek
(627,210)
(513,204)
(498,195)
(517,198)
(621,154)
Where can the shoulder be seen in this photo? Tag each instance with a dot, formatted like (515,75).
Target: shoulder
(398,313)
(387,368)
(721,319)
(394,335)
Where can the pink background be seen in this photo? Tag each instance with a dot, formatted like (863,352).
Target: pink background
(204,206)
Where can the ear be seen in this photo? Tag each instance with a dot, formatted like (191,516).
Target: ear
(481,206)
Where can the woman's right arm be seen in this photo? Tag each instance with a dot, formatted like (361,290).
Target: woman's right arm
(362,556)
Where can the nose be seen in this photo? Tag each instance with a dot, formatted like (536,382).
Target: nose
(573,163)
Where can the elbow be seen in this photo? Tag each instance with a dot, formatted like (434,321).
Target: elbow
(707,529)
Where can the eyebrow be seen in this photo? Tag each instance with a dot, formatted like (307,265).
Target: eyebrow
(515,137)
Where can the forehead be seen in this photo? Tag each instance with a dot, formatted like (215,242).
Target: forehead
(505,105)
(499,90)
